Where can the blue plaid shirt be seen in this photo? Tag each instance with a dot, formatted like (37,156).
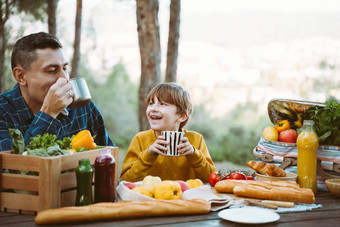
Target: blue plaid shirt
(14,113)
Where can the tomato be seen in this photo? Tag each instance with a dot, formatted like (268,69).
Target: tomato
(237,176)
(214,178)
(249,178)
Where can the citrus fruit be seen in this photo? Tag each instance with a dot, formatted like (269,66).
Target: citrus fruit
(270,133)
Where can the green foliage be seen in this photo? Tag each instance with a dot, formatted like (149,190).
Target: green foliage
(232,137)
(326,122)
(36,8)
(117,101)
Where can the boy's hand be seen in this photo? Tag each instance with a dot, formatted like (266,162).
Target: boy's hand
(185,147)
(158,146)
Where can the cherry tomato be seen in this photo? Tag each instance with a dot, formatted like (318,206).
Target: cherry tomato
(237,176)
(249,178)
(214,178)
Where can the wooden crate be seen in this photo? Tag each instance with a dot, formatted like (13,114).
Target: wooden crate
(54,187)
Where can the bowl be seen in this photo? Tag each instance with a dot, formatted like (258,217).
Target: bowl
(333,186)
(289,177)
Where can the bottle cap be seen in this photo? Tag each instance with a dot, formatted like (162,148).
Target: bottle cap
(105,152)
(308,122)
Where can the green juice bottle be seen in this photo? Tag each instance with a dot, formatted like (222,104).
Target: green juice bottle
(84,175)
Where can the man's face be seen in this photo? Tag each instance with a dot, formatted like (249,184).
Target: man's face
(44,71)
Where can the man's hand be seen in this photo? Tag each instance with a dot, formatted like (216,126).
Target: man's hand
(58,97)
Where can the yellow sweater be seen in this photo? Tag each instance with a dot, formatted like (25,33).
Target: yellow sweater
(139,163)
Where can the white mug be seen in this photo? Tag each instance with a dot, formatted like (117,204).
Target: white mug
(174,139)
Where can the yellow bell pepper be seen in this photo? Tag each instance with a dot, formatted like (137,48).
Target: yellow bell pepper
(194,183)
(83,139)
(298,123)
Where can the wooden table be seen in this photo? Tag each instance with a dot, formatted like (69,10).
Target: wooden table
(328,215)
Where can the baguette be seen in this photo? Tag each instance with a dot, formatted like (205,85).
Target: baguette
(266,169)
(227,186)
(123,209)
(298,195)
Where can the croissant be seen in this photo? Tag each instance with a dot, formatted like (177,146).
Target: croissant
(266,169)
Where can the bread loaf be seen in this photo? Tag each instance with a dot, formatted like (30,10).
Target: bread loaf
(227,186)
(267,190)
(297,195)
(266,169)
(123,209)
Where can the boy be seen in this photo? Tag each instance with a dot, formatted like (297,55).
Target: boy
(169,109)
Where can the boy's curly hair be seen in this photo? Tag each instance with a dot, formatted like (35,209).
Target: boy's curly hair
(172,93)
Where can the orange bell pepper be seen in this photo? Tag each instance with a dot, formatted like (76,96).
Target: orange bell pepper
(282,126)
(83,139)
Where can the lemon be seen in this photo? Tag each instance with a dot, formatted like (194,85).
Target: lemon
(270,133)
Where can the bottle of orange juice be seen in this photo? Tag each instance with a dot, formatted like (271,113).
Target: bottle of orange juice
(307,144)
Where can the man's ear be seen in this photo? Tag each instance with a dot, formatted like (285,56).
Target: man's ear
(183,117)
(19,75)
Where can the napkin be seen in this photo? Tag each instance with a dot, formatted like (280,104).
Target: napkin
(217,200)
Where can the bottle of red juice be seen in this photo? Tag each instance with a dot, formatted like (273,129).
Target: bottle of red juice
(104,167)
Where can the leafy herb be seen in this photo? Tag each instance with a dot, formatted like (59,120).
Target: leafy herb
(40,145)
(18,144)
(65,143)
(326,122)
(42,141)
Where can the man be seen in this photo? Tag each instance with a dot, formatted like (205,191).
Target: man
(39,101)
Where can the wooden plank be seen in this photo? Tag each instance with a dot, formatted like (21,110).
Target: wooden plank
(18,201)
(68,180)
(11,219)
(68,198)
(315,217)
(19,181)
(19,162)
(71,161)
(49,184)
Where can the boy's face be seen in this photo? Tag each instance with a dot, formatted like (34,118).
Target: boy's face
(162,116)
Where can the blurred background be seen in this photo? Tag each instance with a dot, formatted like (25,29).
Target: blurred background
(234,57)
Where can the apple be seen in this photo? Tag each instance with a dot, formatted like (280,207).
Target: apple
(288,136)
(130,185)
(183,184)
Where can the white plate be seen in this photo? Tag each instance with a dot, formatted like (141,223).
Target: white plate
(249,215)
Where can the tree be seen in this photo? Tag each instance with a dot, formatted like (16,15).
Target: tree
(5,11)
(150,52)
(76,45)
(35,8)
(172,52)
(52,18)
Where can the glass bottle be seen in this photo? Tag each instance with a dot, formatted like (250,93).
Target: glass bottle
(84,175)
(307,144)
(104,190)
